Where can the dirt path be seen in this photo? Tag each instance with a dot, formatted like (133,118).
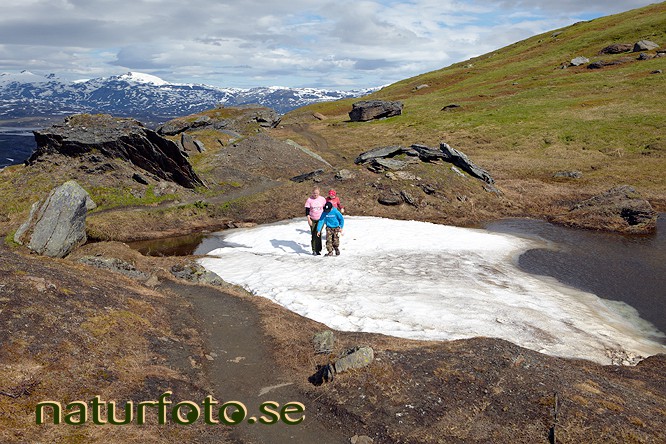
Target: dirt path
(243,369)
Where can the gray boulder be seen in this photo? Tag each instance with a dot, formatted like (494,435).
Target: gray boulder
(645,45)
(374,109)
(187,142)
(56,225)
(579,61)
(379,165)
(354,358)
(200,145)
(390,198)
(344,175)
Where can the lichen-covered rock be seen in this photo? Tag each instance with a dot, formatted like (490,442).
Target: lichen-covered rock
(354,358)
(323,341)
(56,225)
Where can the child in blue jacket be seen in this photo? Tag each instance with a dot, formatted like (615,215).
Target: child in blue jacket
(334,222)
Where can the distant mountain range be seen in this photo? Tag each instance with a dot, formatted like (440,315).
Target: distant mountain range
(142,96)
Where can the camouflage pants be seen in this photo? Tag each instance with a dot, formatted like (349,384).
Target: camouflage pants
(332,239)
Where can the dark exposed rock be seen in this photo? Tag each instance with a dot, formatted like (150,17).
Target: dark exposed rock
(425,154)
(450,107)
(644,56)
(307,176)
(603,63)
(56,225)
(428,189)
(618,209)
(382,152)
(374,109)
(459,159)
(390,198)
(117,138)
(617,48)
(408,198)
(139,178)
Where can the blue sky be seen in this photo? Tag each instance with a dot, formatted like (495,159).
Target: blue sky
(340,44)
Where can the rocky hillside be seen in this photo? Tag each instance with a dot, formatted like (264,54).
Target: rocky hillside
(524,131)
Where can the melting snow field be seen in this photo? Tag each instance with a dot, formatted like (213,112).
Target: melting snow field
(425,281)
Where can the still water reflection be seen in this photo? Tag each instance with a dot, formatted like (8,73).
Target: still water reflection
(631,269)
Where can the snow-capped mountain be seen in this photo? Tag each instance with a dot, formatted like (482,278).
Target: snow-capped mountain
(142,96)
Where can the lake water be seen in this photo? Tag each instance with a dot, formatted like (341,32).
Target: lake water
(631,269)
(16,145)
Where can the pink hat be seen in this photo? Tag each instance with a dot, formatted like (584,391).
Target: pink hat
(331,193)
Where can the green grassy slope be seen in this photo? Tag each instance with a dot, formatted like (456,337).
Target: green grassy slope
(523,114)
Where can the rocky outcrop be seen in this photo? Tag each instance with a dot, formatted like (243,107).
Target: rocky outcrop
(374,109)
(56,225)
(237,119)
(117,138)
(307,176)
(377,159)
(619,209)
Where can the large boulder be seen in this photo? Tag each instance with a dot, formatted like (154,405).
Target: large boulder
(56,225)
(618,209)
(374,109)
(645,45)
(117,138)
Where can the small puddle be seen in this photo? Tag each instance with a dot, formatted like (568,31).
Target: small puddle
(169,246)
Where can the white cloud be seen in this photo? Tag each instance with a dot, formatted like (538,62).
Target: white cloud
(296,43)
